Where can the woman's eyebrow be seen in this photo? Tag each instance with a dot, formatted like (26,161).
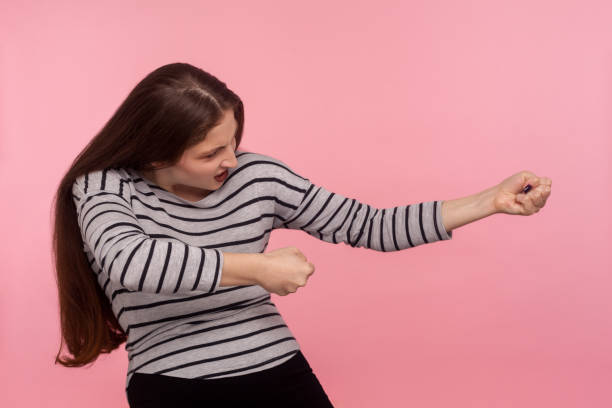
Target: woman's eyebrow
(210,151)
(214,149)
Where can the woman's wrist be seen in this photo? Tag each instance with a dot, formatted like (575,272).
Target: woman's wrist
(461,211)
(241,268)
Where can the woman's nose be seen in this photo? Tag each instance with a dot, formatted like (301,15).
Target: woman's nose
(232,161)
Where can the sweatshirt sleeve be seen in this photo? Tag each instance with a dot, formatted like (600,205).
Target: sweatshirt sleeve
(334,218)
(111,232)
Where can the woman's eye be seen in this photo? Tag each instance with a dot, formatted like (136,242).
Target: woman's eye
(210,155)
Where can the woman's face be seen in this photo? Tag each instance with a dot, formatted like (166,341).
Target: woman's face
(193,176)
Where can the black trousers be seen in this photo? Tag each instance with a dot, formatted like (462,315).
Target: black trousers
(291,384)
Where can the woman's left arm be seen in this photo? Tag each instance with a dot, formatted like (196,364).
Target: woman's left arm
(505,198)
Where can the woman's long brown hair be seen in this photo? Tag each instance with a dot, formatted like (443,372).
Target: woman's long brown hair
(168,111)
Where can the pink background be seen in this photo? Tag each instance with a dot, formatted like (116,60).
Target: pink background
(389,102)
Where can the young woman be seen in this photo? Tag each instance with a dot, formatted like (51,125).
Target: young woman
(161,224)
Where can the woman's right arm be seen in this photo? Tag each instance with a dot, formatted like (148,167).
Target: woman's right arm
(132,259)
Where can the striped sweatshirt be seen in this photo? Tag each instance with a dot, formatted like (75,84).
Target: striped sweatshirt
(159,259)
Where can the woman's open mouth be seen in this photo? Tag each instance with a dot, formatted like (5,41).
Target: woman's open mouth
(221,177)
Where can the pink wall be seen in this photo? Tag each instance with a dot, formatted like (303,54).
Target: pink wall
(390,102)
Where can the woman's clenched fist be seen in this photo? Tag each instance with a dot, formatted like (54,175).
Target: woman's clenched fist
(284,271)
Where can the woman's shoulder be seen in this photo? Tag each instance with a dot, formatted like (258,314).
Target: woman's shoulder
(275,177)
(250,156)
(111,179)
(265,164)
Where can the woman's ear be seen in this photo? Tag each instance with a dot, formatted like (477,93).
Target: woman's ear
(158,165)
